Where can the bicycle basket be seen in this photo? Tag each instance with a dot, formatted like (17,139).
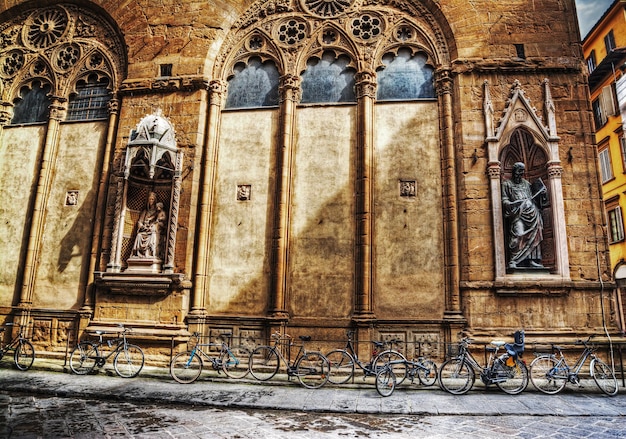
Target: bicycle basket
(453,350)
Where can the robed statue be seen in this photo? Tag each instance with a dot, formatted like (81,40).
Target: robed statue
(149,228)
(522,203)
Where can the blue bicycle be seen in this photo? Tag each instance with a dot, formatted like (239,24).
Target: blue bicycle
(187,366)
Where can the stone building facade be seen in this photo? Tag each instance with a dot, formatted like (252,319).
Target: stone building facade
(296,165)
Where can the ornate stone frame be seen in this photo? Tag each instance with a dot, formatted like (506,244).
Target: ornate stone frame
(519,113)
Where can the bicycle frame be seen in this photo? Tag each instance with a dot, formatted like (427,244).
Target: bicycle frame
(286,342)
(571,373)
(367,368)
(215,360)
(119,342)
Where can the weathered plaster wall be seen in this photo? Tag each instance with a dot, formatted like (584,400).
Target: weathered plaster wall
(408,230)
(239,233)
(66,248)
(321,254)
(19,153)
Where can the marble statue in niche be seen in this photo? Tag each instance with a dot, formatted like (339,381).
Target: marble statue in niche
(522,203)
(150,225)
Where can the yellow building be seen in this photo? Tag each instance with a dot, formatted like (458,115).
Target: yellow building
(605,54)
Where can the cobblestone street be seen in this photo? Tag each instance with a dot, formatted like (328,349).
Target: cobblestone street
(28,416)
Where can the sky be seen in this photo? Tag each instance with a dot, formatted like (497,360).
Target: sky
(589,11)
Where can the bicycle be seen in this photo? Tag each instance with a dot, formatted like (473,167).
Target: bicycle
(343,362)
(507,371)
(128,358)
(310,367)
(187,366)
(550,373)
(23,350)
(424,368)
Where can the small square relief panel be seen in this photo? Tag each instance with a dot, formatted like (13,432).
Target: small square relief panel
(407,188)
(243,192)
(71,198)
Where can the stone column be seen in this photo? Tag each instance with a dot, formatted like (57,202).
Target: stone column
(100,206)
(364,193)
(555,171)
(217,98)
(58,109)
(450,199)
(170,244)
(290,94)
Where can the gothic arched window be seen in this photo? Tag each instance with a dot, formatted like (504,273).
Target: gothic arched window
(253,85)
(405,76)
(90,100)
(329,79)
(33,104)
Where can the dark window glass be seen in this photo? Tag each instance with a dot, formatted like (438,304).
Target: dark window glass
(591,61)
(609,42)
(253,85)
(329,79)
(91,100)
(33,105)
(405,76)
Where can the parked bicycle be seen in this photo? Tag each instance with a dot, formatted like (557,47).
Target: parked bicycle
(550,373)
(422,367)
(507,371)
(187,366)
(343,362)
(310,367)
(128,358)
(23,350)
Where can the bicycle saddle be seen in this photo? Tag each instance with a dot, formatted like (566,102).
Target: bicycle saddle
(498,343)
(305,337)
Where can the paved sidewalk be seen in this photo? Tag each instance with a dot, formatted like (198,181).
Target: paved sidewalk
(155,385)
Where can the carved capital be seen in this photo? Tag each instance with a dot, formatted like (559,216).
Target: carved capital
(555,170)
(114,106)
(365,84)
(6,113)
(493,170)
(217,92)
(289,89)
(443,81)
(58,108)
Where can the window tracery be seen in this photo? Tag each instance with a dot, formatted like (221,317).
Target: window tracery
(363,31)
(59,45)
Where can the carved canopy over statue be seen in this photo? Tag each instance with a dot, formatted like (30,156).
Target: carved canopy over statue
(147,199)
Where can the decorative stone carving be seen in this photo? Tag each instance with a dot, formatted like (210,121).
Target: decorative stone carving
(58,45)
(326,8)
(149,192)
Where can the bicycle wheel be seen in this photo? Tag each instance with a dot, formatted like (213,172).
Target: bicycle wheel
(511,379)
(186,367)
(84,358)
(312,370)
(235,362)
(428,374)
(399,366)
(603,376)
(385,381)
(264,363)
(129,362)
(341,366)
(24,355)
(456,376)
(545,376)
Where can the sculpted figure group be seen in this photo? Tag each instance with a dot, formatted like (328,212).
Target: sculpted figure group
(149,228)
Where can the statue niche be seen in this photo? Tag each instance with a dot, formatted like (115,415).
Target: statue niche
(524,203)
(148,197)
